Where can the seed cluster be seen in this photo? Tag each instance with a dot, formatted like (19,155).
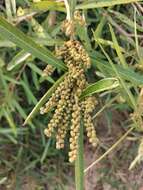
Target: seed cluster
(48,71)
(66,100)
(69,26)
(88,106)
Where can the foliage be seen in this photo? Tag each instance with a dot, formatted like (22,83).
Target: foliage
(29,33)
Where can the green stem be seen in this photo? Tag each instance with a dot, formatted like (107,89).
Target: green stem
(79,163)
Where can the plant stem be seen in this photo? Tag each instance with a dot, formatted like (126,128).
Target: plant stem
(79,163)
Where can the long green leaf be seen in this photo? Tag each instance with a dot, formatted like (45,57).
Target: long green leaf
(103,3)
(18,59)
(117,48)
(10,121)
(28,92)
(100,86)
(47,5)
(127,74)
(123,18)
(130,96)
(43,100)
(13,34)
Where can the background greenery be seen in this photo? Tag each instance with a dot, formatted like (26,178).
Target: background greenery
(29,33)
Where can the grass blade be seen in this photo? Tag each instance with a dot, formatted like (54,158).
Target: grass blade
(47,5)
(17,60)
(103,3)
(126,20)
(117,48)
(123,84)
(10,121)
(127,74)
(100,86)
(13,34)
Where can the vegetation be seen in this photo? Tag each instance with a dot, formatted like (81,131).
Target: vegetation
(80,64)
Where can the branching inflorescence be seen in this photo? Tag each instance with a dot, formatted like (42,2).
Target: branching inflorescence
(69,109)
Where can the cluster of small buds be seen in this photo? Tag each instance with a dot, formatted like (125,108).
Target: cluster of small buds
(74,55)
(79,18)
(74,131)
(69,26)
(61,93)
(48,71)
(62,130)
(66,100)
(88,106)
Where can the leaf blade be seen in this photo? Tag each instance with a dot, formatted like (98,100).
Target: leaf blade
(100,86)
(103,3)
(13,34)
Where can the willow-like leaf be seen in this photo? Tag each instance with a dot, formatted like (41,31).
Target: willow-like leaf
(18,59)
(13,34)
(103,3)
(47,5)
(100,86)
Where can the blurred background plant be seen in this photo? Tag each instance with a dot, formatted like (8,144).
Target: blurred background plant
(112,34)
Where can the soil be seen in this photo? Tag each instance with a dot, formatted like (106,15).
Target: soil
(112,172)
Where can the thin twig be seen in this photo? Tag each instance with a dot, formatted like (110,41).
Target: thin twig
(104,107)
(109,150)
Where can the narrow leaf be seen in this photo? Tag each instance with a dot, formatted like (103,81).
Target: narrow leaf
(18,59)
(100,86)
(13,34)
(123,18)
(127,74)
(9,119)
(103,3)
(130,96)
(28,92)
(47,5)
(118,49)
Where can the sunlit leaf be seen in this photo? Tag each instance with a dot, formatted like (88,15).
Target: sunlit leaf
(103,3)
(13,34)
(100,86)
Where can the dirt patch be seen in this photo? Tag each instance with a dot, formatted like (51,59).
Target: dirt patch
(112,172)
